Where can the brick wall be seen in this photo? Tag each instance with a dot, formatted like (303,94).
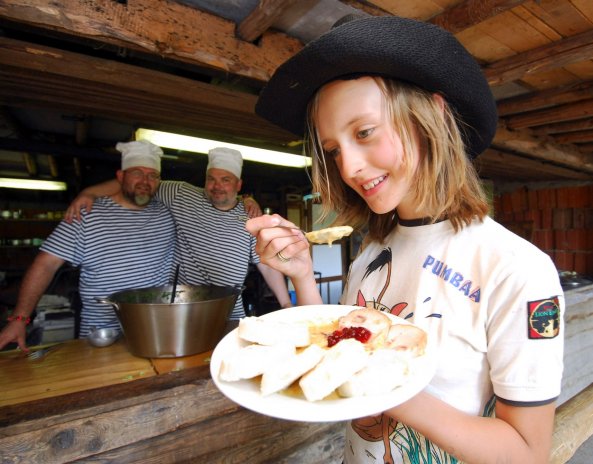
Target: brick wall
(559,221)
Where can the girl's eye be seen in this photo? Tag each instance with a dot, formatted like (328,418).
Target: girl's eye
(364,133)
(332,153)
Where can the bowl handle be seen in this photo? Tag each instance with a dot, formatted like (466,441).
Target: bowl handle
(107,301)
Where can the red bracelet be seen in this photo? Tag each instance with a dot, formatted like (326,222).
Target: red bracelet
(26,320)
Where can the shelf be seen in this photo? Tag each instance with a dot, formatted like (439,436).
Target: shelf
(30,220)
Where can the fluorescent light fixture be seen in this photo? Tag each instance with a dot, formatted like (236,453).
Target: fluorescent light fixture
(32,184)
(198,145)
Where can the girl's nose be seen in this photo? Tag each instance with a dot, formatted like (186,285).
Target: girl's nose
(351,161)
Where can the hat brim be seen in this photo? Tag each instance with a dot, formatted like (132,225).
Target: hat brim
(416,52)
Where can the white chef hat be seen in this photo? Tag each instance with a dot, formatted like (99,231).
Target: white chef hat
(140,153)
(227,159)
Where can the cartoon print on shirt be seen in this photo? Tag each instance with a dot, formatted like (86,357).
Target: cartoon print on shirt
(383,428)
(384,259)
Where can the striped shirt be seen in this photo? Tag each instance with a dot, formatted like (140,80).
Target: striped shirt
(214,247)
(117,249)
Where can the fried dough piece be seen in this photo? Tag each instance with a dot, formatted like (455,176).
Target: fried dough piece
(407,339)
(384,371)
(283,374)
(269,332)
(340,363)
(328,235)
(252,360)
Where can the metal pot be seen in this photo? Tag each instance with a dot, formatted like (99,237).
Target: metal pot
(156,328)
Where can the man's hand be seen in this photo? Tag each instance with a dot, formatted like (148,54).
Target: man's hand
(15,331)
(252,207)
(82,201)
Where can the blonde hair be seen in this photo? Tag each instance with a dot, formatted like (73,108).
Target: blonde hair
(446,182)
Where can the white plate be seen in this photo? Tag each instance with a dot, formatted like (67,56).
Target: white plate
(246,392)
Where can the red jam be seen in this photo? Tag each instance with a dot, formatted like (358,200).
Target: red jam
(360,334)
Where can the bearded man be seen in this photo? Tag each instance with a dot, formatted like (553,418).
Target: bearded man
(128,242)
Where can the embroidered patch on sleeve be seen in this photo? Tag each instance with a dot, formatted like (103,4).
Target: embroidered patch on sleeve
(543,318)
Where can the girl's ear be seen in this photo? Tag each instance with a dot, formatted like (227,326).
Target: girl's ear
(119,175)
(440,100)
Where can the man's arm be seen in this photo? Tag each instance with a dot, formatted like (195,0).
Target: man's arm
(252,207)
(86,198)
(36,280)
(277,283)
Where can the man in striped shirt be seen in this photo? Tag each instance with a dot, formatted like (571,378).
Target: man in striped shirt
(127,242)
(214,247)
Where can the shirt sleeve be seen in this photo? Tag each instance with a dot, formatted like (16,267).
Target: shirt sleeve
(525,332)
(67,241)
(169,191)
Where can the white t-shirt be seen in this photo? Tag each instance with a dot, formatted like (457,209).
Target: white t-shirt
(492,306)
(214,247)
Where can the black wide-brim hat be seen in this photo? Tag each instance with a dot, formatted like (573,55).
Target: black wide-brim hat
(412,51)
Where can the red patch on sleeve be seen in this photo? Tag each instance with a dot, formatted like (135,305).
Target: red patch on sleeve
(543,318)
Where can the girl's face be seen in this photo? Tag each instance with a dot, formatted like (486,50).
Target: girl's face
(355,131)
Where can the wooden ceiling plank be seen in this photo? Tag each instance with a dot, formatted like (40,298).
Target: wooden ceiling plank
(563,127)
(562,16)
(261,18)
(547,57)
(471,12)
(545,98)
(536,23)
(416,10)
(167,29)
(524,37)
(579,110)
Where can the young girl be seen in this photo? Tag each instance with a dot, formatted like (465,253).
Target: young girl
(394,110)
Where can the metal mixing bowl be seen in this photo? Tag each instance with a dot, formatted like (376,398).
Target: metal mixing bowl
(103,337)
(156,328)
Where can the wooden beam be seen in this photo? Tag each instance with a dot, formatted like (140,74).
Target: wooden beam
(575,137)
(261,18)
(562,127)
(551,97)
(542,149)
(36,75)
(167,29)
(547,57)
(500,165)
(471,12)
(572,426)
(579,110)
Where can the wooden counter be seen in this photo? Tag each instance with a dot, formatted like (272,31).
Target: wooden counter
(67,368)
(80,403)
